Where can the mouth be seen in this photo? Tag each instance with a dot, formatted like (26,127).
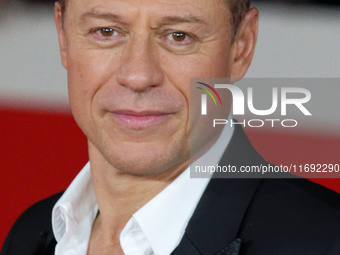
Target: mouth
(140,120)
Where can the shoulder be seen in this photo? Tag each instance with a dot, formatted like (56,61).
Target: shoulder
(299,194)
(296,214)
(32,229)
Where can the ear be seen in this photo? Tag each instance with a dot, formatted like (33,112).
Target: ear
(244,44)
(58,19)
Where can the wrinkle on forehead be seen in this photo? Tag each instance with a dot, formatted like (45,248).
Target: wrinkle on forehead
(154,12)
(159,5)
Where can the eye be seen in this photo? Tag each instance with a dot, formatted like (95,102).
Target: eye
(107,32)
(107,36)
(179,36)
(179,42)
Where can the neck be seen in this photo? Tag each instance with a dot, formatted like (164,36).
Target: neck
(119,195)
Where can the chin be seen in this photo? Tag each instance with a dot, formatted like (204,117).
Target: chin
(147,163)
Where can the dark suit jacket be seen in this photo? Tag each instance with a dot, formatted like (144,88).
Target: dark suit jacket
(234,216)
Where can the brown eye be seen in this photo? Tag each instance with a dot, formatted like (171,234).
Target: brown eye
(178,36)
(107,32)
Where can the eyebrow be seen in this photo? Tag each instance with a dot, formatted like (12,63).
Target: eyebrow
(99,15)
(182,19)
(165,20)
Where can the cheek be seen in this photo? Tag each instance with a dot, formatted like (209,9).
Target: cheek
(181,69)
(88,70)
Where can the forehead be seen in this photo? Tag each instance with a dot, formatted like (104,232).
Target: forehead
(206,10)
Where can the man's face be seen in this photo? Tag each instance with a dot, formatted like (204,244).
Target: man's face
(129,66)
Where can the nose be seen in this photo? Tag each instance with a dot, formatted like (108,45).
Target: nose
(139,67)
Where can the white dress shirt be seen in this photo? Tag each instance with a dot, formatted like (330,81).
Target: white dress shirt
(156,228)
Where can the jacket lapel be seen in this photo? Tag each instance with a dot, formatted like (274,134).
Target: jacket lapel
(232,249)
(214,226)
(47,244)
